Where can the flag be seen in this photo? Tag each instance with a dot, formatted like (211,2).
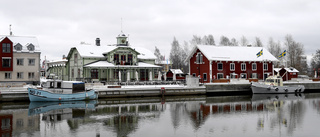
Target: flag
(283,54)
(260,53)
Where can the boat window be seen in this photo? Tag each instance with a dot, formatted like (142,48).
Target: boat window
(270,80)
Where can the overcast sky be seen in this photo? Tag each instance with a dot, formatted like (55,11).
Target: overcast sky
(60,25)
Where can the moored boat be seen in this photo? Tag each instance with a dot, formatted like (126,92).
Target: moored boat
(43,95)
(274,85)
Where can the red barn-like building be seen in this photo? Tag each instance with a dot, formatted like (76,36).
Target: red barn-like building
(223,62)
(287,73)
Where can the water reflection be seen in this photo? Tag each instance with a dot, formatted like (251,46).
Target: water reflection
(262,115)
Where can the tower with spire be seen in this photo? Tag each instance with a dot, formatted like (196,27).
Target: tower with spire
(122,39)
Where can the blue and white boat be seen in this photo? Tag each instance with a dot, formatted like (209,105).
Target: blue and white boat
(43,95)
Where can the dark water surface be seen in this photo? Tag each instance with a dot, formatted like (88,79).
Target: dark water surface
(256,115)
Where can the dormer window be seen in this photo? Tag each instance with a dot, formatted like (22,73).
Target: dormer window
(30,47)
(18,47)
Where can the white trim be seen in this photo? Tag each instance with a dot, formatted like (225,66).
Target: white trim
(245,67)
(206,77)
(234,66)
(218,66)
(252,66)
(220,74)
(266,65)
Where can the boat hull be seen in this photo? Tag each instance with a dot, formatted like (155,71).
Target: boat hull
(258,88)
(42,95)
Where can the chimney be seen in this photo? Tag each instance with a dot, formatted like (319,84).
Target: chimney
(64,57)
(97,41)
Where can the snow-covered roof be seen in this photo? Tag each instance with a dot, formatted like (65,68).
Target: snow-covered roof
(176,71)
(24,41)
(106,64)
(290,70)
(233,53)
(86,50)
(144,53)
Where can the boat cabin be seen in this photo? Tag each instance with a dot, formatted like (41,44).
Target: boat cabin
(275,80)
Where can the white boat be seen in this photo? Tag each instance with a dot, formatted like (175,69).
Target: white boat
(274,85)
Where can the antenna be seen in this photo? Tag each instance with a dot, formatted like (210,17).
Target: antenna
(121,25)
(10,29)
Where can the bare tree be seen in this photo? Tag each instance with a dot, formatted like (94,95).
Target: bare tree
(244,41)
(224,41)
(257,42)
(295,50)
(315,62)
(178,56)
(234,42)
(158,55)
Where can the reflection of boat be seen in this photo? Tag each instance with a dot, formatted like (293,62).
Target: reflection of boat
(43,107)
(43,95)
(274,85)
(276,97)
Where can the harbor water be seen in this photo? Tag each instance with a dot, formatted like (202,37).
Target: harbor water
(292,115)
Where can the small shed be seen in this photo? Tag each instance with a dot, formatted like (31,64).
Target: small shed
(286,73)
(178,72)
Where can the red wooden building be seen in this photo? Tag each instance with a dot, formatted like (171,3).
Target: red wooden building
(287,73)
(223,62)
(6,54)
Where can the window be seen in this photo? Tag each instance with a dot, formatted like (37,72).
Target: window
(72,73)
(220,75)
(6,47)
(7,75)
(130,58)
(243,75)
(19,62)
(18,47)
(116,58)
(79,71)
(265,66)
(199,59)
(6,62)
(243,66)
(220,66)
(5,123)
(19,75)
(31,75)
(194,74)
(232,66)
(31,62)
(254,75)
(30,47)
(254,66)
(123,59)
(75,58)
(94,73)
(205,76)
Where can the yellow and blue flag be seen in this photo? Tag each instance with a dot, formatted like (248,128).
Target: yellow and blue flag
(260,53)
(283,54)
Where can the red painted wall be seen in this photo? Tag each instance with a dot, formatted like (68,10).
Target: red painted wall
(290,75)
(200,69)
(6,40)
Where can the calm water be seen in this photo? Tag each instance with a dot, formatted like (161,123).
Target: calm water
(257,115)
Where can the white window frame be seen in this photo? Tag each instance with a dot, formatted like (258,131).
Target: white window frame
(21,61)
(200,56)
(31,63)
(254,75)
(245,74)
(265,64)
(7,75)
(205,78)
(19,75)
(245,67)
(234,67)
(220,74)
(31,75)
(218,66)
(255,66)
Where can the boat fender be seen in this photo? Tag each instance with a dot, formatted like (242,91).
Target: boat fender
(276,89)
(286,90)
(296,90)
(299,89)
(269,88)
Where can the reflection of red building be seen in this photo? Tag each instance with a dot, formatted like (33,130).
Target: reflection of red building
(6,125)
(287,73)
